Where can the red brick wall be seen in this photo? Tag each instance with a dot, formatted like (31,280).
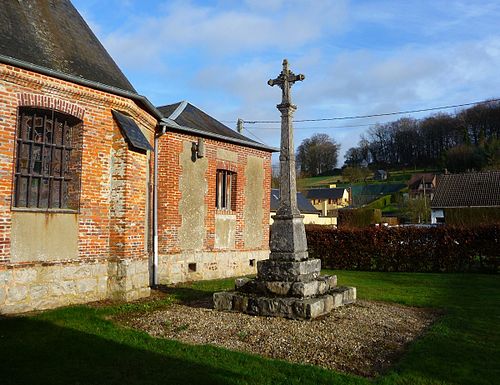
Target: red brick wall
(169,169)
(97,211)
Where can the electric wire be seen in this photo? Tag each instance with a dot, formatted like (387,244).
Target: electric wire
(372,115)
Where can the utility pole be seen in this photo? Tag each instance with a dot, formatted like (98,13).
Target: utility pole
(239,125)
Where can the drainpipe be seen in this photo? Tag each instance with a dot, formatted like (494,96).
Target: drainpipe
(155,280)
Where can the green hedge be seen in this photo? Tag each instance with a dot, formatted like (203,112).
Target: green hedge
(364,217)
(407,249)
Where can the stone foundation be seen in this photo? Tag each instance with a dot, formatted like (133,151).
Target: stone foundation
(286,288)
(288,307)
(42,285)
(204,265)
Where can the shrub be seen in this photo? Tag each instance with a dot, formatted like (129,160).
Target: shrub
(349,218)
(407,249)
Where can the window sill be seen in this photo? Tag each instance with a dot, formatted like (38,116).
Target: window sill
(46,211)
(225,212)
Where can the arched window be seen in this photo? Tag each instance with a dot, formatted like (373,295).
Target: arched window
(48,160)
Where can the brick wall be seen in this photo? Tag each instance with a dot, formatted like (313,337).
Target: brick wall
(174,258)
(111,223)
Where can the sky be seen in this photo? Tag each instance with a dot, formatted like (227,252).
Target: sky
(359,57)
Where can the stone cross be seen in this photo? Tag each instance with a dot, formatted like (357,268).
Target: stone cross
(287,238)
(288,186)
(288,284)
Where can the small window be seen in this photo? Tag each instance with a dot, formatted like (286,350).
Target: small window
(48,160)
(225,190)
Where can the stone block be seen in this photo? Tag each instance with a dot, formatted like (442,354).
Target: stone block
(17,293)
(223,301)
(278,287)
(86,285)
(5,277)
(306,289)
(287,239)
(21,307)
(38,291)
(63,288)
(240,303)
(2,295)
(240,282)
(25,276)
(49,274)
(303,271)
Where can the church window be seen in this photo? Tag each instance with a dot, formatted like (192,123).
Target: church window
(47,161)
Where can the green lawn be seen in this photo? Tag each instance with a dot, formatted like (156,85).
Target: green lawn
(80,345)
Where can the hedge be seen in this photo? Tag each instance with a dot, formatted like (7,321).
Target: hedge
(472,216)
(407,249)
(362,217)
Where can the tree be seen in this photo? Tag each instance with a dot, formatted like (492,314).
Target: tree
(354,174)
(465,157)
(317,155)
(418,210)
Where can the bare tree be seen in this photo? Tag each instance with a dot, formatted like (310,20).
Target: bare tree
(318,154)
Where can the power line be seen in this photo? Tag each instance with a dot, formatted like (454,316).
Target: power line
(255,136)
(319,127)
(372,115)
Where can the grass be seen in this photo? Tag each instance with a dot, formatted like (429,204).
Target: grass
(81,345)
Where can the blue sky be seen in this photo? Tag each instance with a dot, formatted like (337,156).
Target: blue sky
(359,57)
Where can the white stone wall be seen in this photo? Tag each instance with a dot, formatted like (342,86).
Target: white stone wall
(128,279)
(174,268)
(40,286)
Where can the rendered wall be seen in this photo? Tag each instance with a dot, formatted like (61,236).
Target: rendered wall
(196,240)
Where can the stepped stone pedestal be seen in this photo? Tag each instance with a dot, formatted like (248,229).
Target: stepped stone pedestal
(288,284)
(303,294)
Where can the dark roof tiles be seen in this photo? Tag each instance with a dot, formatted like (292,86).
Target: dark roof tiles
(189,117)
(324,193)
(480,189)
(52,34)
(305,206)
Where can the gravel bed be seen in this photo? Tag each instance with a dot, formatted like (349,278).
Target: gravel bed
(364,338)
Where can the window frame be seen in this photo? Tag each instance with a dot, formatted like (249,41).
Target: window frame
(62,176)
(225,187)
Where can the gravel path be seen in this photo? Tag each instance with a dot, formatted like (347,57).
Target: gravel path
(364,338)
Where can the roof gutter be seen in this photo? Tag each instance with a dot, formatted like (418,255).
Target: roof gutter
(84,82)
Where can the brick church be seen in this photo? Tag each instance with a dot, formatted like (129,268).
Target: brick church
(103,194)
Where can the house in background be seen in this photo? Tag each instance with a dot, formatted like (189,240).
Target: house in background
(380,175)
(213,198)
(311,214)
(421,185)
(328,200)
(476,194)
(75,158)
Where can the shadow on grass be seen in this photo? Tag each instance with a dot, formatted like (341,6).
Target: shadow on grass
(40,352)
(189,296)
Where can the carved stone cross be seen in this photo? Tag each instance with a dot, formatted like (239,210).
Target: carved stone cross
(287,238)
(285,80)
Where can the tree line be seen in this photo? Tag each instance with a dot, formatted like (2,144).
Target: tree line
(469,139)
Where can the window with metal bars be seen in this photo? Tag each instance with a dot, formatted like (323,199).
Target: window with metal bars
(48,160)
(225,190)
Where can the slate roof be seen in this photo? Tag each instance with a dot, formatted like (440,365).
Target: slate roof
(480,189)
(305,207)
(324,193)
(185,117)
(52,34)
